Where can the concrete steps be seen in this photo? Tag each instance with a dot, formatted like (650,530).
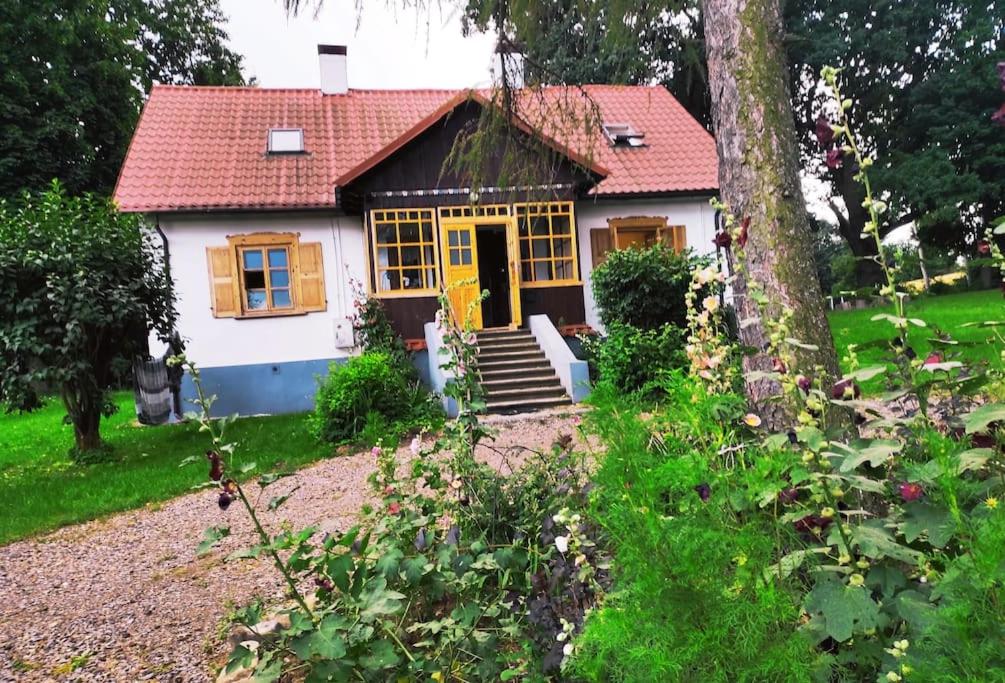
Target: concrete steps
(515,373)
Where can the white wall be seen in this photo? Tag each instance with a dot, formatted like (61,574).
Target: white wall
(214,342)
(695,214)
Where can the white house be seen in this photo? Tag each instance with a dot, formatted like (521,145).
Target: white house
(270,200)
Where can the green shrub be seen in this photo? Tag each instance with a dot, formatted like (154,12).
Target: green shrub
(644,287)
(630,358)
(366,384)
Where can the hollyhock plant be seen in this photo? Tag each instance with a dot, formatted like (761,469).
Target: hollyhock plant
(741,238)
(835,157)
(824,132)
(723,239)
(910,491)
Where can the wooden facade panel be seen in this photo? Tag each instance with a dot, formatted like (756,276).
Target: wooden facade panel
(408,315)
(564,305)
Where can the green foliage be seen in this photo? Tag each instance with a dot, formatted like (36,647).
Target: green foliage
(644,287)
(84,286)
(370,394)
(374,331)
(69,98)
(630,359)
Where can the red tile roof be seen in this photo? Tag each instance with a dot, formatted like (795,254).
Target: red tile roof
(204,148)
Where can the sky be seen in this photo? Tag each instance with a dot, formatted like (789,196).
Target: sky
(388,46)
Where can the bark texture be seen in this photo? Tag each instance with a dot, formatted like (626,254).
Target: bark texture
(759,178)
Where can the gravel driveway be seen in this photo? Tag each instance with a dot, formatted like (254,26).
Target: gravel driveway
(126,599)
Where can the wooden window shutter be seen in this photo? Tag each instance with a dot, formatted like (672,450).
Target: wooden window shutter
(600,244)
(312,277)
(679,233)
(222,281)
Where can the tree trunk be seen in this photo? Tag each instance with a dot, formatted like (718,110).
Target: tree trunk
(759,179)
(868,272)
(86,419)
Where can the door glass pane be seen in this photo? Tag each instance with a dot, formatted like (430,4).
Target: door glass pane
(252,260)
(542,248)
(524,250)
(409,232)
(526,274)
(254,279)
(466,257)
(386,233)
(455,257)
(560,225)
(452,238)
(465,238)
(277,258)
(256,299)
(279,278)
(281,298)
(539,225)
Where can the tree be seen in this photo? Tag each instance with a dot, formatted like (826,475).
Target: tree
(759,181)
(75,73)
(83,284)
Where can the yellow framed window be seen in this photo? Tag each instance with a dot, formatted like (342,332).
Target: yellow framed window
(641,232)
(475,211)
(547,236)
(404,251)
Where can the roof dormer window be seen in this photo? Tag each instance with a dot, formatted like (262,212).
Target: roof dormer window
(286,141)
(623,135)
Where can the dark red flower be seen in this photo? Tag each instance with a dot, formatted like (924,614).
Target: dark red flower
(803,382)
(224,500)
(215,465)
(741,239)
(983,440)
(778,365)
(394,508)
(793,438)
(722,239)
(812,524)
(704,492)
(834,158)
(824,132)
(845,389)
(933,359)
(788,496)
(984,247)
(324,583)
(909,491)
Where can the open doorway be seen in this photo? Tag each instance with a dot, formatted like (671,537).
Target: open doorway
(493,275)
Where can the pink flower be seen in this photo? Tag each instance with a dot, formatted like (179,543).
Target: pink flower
(984,247)
(394,508)
(834,158)
(375,451)
(910,491)
(803,382)
(933,359)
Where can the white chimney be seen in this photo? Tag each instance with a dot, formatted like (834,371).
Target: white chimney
(334,75)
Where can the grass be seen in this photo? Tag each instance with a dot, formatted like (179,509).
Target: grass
(41,489)
(944,313)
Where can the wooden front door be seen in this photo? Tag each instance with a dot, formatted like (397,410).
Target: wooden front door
(460,271)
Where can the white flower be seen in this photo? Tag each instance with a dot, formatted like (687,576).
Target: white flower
(711,304)
(562,636)
(562,543)
(567,650)
(416,445)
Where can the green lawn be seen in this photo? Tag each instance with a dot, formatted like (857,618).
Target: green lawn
(40,489)
(946,313)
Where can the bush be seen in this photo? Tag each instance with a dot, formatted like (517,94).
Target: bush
(644,288)
(361,393)
(629,358)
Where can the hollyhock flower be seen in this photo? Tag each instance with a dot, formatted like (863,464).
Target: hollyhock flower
(824,132)
(224,500)
(793,438)
(324,583)
(983,440)
(984,247)
(704,492)
(834,158)
(788,496)
(710,304)
(933,359)
(778,365)
(752,420)
(845,389)
(375,451)
(909,491)
(389,490)
(394,508)
(803,382)
(562,543)
(722,240)
(215,465)
(741,239)
(812,523)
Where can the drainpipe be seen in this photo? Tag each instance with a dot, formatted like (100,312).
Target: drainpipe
(174,339)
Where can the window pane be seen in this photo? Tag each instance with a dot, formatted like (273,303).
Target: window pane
(562,247)
(386,233)
(254,279)
(256,300)
(393,257)
(277,258)
(466,257)
(542,270)
(410,256)
(430,255)
(390,279)
(524,250)
(452,238)
(526,274)
(560,225)
(281,298)
(430,278)
(563,270)
(412,278)
(253,260)
(539,225)
(465,238)
(409,232)
(455,257)
(542,248)
(427,232)
(279,278)
(524,227)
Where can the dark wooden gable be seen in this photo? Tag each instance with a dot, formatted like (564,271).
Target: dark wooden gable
(419,165)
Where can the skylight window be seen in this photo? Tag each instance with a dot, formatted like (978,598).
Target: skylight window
(623,135)
(286,140)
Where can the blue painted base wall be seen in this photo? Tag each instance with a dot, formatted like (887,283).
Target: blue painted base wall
(265,389)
